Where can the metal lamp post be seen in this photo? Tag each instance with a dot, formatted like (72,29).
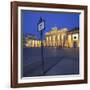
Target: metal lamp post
(41,27)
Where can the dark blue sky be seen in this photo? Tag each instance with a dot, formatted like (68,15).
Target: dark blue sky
(30,19)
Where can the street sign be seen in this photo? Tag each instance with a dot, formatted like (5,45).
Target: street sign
(41,25)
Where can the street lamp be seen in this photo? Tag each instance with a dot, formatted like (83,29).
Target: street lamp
(41,27)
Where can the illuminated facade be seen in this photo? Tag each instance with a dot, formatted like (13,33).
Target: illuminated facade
(62,38)
(55,38)
(31,41)
(73,38)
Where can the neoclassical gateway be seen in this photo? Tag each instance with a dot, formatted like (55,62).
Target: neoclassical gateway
(56,38)
(62,38)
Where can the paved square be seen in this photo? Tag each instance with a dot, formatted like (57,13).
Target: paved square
(56,61)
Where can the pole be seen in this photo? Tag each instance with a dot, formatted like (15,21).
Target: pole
(42,57)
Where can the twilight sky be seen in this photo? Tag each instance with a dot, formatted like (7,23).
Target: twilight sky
(29,20)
